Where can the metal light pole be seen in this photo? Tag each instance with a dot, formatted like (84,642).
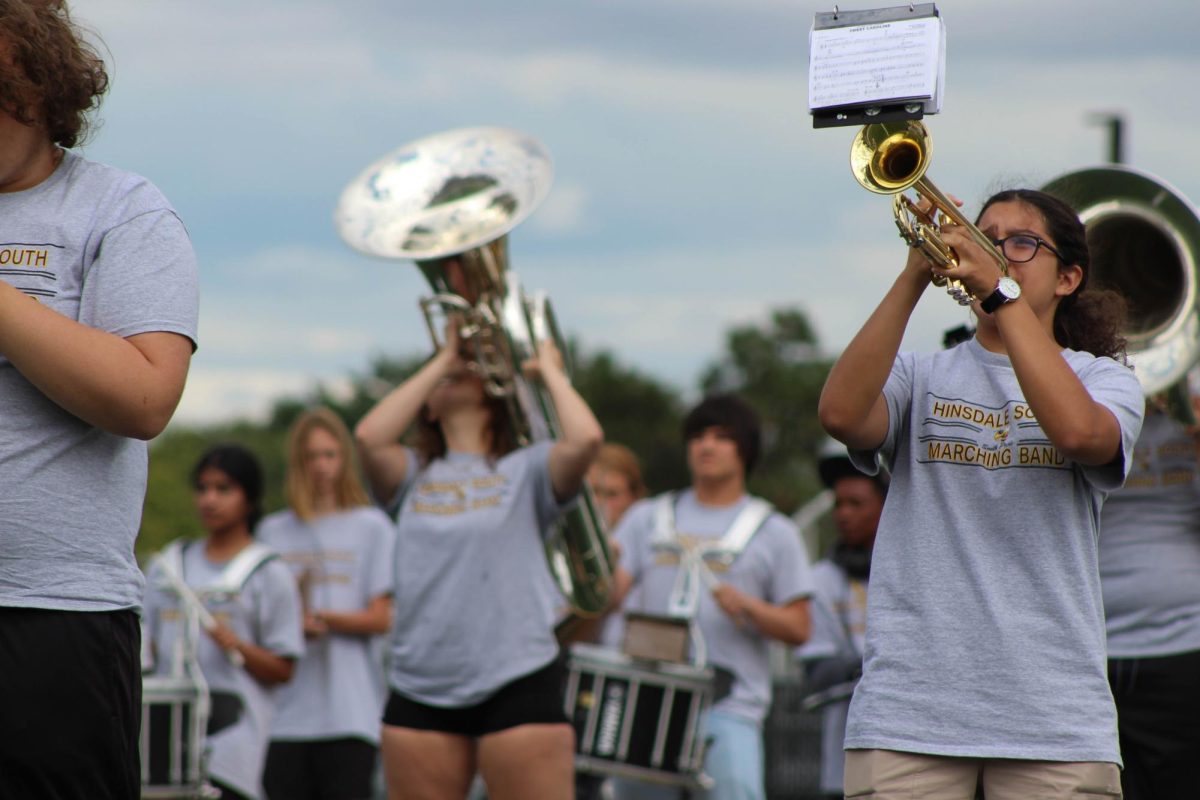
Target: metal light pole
(1115,122)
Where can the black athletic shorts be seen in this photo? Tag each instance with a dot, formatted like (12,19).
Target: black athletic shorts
(536,698)
(322,769)
(71,694)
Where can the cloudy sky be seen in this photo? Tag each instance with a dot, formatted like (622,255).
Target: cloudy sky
(691,192)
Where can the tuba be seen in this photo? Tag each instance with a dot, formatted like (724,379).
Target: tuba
(448,202)
(892,157)
(1144,236)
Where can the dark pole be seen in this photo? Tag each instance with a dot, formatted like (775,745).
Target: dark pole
(1116,134)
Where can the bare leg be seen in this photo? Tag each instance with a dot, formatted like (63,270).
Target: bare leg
(535,760)
(426,765)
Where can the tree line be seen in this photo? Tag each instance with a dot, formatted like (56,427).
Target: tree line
(775,365)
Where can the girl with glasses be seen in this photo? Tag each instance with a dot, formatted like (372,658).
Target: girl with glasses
(985,656)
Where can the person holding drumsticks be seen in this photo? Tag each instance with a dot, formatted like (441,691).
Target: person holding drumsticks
(475,674)
(985,656)
(249,594)
(760,593)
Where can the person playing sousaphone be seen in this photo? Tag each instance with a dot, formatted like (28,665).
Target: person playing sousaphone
(475,677)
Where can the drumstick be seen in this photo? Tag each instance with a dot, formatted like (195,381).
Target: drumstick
(207,620)
(712,582)
(710,579)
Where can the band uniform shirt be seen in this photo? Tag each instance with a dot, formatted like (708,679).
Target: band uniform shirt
(341,561)
(985,626)
(772,567)
(1150,547)
(102,247)
(267,613)
(839,628)
(470,615)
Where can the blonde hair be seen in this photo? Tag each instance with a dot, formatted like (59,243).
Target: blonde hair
(620,459)
(349,488)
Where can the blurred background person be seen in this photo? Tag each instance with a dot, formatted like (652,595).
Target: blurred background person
(833,654)
(616,481)
(325,733)
(252,596)
(1150,578)
(475,675)
(760,595)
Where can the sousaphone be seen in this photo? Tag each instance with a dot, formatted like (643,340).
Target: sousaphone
(448,202)
(1144,236)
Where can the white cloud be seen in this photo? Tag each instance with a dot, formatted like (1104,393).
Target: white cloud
(220,395)
(691,192)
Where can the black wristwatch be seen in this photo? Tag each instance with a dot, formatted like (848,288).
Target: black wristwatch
(1007,290)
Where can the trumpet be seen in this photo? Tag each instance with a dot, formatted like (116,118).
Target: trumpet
(892,157)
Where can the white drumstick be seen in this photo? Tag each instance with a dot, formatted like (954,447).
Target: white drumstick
(207,621)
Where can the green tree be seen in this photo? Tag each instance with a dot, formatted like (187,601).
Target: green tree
(778,369)
(637,411)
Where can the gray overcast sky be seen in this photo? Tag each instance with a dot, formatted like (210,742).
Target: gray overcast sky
(691,191)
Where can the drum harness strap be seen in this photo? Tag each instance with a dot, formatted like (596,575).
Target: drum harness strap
(227,586)
(693,567)
(231,580)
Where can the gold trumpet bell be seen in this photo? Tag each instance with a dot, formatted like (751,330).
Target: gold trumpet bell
(892,157)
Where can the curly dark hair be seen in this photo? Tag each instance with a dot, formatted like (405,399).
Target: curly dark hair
(1088,320)
(52,75)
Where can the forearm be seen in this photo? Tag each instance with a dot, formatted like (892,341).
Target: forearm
(377,435)
(851,406)
(369,621)
(1081,429)
(265,666)
(388,420)
(129,387)
(580,428)
(580,435)
(790,624)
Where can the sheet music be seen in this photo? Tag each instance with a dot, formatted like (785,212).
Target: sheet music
(883,62)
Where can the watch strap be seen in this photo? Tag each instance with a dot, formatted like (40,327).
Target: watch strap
(993,301)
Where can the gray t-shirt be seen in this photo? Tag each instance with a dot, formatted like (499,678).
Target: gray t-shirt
(343,561)
(267,613)
(985,627)
(839,628)
(102,247)
(1150,547)
(772,567)
(470,616)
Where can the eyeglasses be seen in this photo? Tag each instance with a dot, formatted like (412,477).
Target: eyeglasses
(1022,247)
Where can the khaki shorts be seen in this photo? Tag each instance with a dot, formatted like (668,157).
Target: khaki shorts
(892,775)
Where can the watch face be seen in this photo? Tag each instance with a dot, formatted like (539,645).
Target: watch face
(1009,288)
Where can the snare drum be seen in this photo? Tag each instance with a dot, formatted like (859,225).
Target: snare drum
(638,719)
(174,716)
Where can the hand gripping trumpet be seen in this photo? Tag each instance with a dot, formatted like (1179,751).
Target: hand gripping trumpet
(447,202)
(892,157)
